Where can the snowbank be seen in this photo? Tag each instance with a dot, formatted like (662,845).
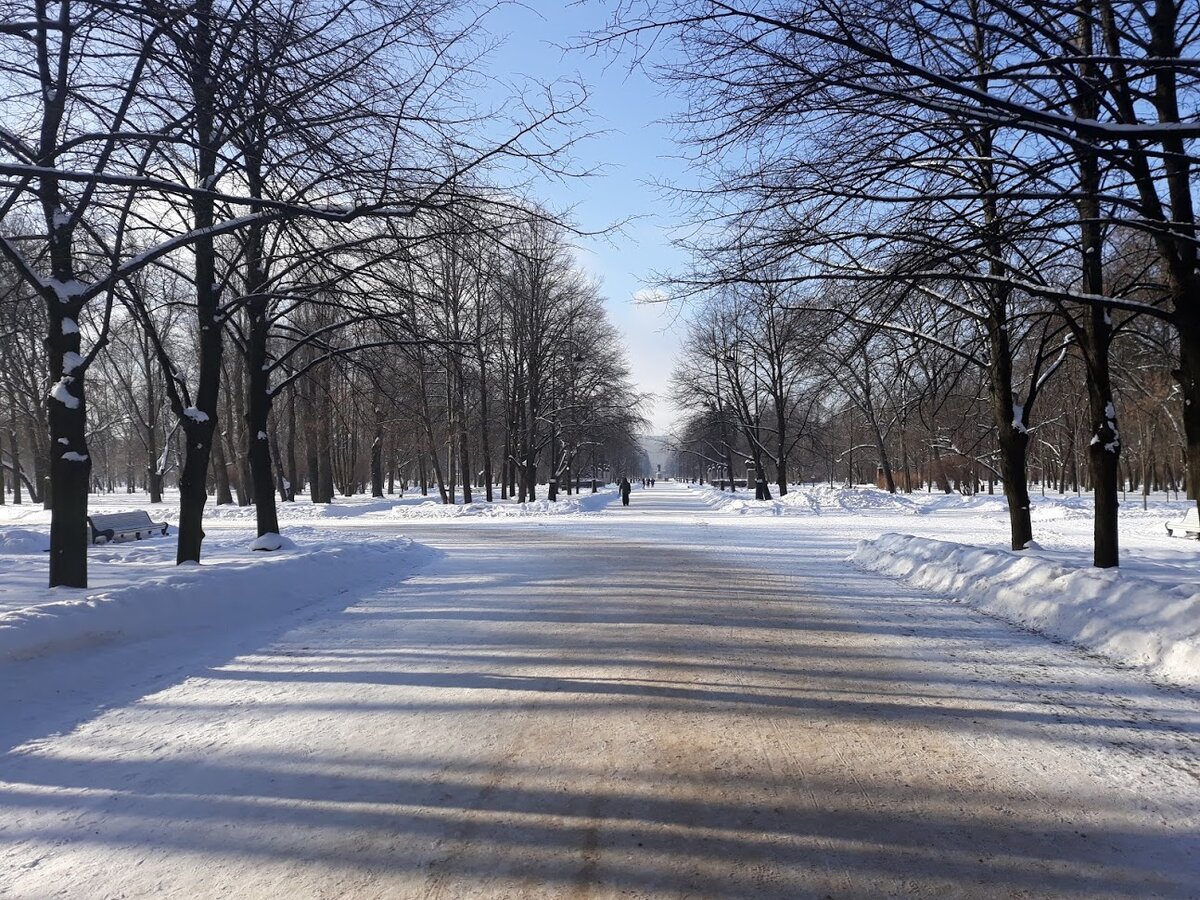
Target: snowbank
(21,541)
(157,597)
(564,506)
(811,500)
(1123,615)
(417,507)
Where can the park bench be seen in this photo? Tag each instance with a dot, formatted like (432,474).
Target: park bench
(112,526)
(1188,526)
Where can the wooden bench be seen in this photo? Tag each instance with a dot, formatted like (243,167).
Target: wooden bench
(112,526)
(1188,526)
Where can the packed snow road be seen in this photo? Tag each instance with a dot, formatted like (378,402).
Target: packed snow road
(645,702)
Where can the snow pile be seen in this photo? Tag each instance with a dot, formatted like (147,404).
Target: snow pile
(808,500)
(272,541)
(417,507)
(1125,616)
(302,510)
(159,598)
(740,502)
(563,506)
(22,541)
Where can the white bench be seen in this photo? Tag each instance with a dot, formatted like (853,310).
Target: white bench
(112,526)
(1188,526)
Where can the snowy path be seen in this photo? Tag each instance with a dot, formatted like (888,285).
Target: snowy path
(652,702)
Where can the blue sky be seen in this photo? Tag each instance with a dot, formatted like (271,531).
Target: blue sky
(635,151)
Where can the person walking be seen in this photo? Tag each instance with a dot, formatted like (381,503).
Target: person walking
(626,487)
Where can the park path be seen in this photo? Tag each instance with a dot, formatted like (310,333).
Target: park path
(647,702)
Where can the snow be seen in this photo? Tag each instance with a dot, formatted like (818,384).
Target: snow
(1146,614)
(60,393)
(414,506)
(196,415)
(144,594)
(1125,615)
(67,290)
(70,326)
(1018,421)
(73,456)
(21,541)
(71,362)
(272,541)
(698,695)
(230,530)
(1141,615)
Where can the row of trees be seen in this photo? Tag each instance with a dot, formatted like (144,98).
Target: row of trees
(799,395)
(219,205)
(447,410)
(1006,183)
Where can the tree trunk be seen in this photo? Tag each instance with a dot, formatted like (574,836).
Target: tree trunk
(464,449)
(377,454)
(885,462)
(154,481)
(781,433)
(258,413)
(259,399)
(1104,447)
(235,409)
(282,485)
(293,473)
(311,442)
(202,420)
(70,473)
(192,493)
(324,429)
(486,447)
(14,452)
(1188,375)
(221,472)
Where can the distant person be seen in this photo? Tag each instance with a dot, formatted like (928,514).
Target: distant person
(626,487)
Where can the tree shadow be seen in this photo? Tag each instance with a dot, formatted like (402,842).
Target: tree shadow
(51,695)
(420,822)
(461,660)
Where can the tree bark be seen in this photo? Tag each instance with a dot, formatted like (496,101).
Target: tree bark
(224,491)
(14,452)
(377,454)
(293,472)
(282,485)
(200,425)
(1104,448)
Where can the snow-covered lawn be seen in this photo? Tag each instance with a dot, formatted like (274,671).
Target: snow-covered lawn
(302,511)
(136,590)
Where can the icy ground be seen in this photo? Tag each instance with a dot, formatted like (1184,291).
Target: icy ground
(679,699)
